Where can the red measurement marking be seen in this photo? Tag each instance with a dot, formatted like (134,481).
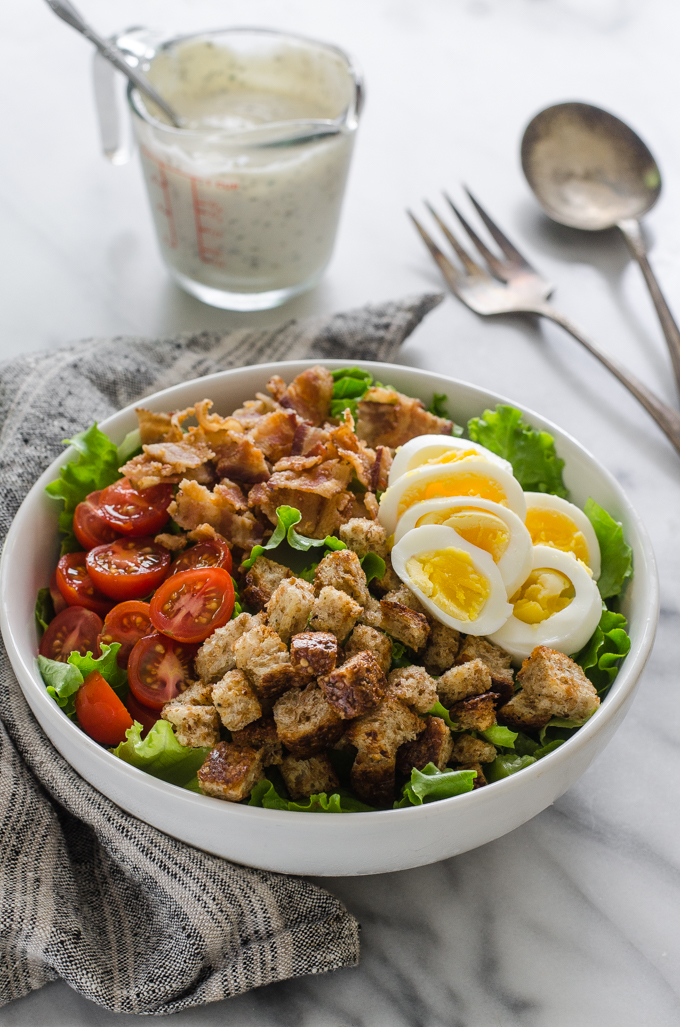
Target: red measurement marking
(205,209)
(166,206)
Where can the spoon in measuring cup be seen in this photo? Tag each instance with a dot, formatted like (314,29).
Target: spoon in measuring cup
(589,170)
(67,12)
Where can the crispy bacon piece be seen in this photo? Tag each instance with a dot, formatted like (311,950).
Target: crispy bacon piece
(273,433)
(309,394)
(308,439)
(212,423)
(225,509)
(153,427)
(353,450)
(319,494)
(388,418)
(239,458)
(166,462)
(253,409)
(380,469)
(276,386)
(299,463)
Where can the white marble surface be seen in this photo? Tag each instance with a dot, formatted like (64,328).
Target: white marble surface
(572,919)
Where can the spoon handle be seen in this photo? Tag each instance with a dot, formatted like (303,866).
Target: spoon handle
(665,416)
(632,233)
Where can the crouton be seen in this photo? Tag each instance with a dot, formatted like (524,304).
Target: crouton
(309,777)
(373,777)
(405,597)
(366,638)
(313,653)
(433,745)
(467,749)
(364,536)
(442,647)
(496,659)
(475,714)
(235,700)
(334,611)
(262,580)
(385,728)
(552,686)
(261,735)
(289,608)
(198,694)
(194,725)
(305,721)
(265,661)
(458,683)
(343,571)
(231,771)
(404,624)
(355,687)
(216,655)
(480,780)
(414,686)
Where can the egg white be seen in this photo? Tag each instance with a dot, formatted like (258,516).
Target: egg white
(515,563)
(569,629)
(391,500)
(418,451)
(544,501)
(433,537)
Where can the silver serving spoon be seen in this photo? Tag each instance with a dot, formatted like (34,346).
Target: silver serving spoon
(590,170)
(67,12)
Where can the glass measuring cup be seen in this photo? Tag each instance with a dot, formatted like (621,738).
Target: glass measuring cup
(246,196)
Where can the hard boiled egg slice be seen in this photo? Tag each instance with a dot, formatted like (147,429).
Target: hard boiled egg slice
(559,605)
(455,581)
(470,476)
(439,449)
(487,525)
(552,521)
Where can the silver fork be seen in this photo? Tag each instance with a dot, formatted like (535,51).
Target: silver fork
(514,287)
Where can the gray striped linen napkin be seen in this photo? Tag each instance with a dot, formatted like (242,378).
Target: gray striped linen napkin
(130,918)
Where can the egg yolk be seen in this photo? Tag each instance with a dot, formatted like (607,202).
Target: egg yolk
(544,593)
(480,528)
(449,578)
(451,455)
(556,529)
(463,484)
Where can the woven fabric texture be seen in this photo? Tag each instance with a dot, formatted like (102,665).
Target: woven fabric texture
(130,918)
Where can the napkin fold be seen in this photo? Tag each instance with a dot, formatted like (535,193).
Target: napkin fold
(129,917)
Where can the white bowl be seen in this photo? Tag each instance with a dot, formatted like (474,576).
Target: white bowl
(303,843)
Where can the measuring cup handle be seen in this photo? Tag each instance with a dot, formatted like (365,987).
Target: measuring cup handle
(139,46)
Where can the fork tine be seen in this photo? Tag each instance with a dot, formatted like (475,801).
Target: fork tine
(510,251)
(452,275)
(466,259)
(493,261)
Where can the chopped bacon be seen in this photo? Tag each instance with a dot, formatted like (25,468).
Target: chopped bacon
(371,504)
(206,533)
(166,462)
(222,508)
(380,469)
(175,543)
(274,433)
(318,493)
(212,423)
(253,409)
(307,438)
(388,418)
(354,450)
(276,386)
(238,457)
(153,427)
(309,394)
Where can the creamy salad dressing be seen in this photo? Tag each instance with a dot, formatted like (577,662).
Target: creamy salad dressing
(231,214)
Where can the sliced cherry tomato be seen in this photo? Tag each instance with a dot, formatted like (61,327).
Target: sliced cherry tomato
(58,601)
(77,587)
(89,526)
(133,511)
(190,605)
(126,623)
(75,629)
(129,568)
(100,712)
(144,714)
(211,553)
(159,669)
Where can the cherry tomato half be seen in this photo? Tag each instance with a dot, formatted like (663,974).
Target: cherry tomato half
(131,511)
(144,714)
(100,712)
(126,623)
(129,568)
(77,587)
(211,553)
(58,601)
(75,629)
(190,605)
(159,669)
(89,526)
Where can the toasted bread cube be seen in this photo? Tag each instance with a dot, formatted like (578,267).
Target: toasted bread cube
(231,772)
(216,655)
(496,659)
(366,638)
(197,694)
(265,661)
(290,606)
(364,536)
(235,701)
(480,780)
(414,686)
(309,777)
(262,580)
(459,683)
(306,723)
(355,687)
(467,749)
(334,611)
(194,725)
(405,597)
(552,686)
(433,745)
(385,728)
(404,624)
(475,714)
(313,653)
(373,777)
(342,570)
(261,735)
(442,647)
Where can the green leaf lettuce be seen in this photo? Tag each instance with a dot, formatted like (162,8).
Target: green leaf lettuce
(64,679)
(601,657)
(431,784)
(615,553)
(264,794)
(532,454)
(288,517)
(160,754)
